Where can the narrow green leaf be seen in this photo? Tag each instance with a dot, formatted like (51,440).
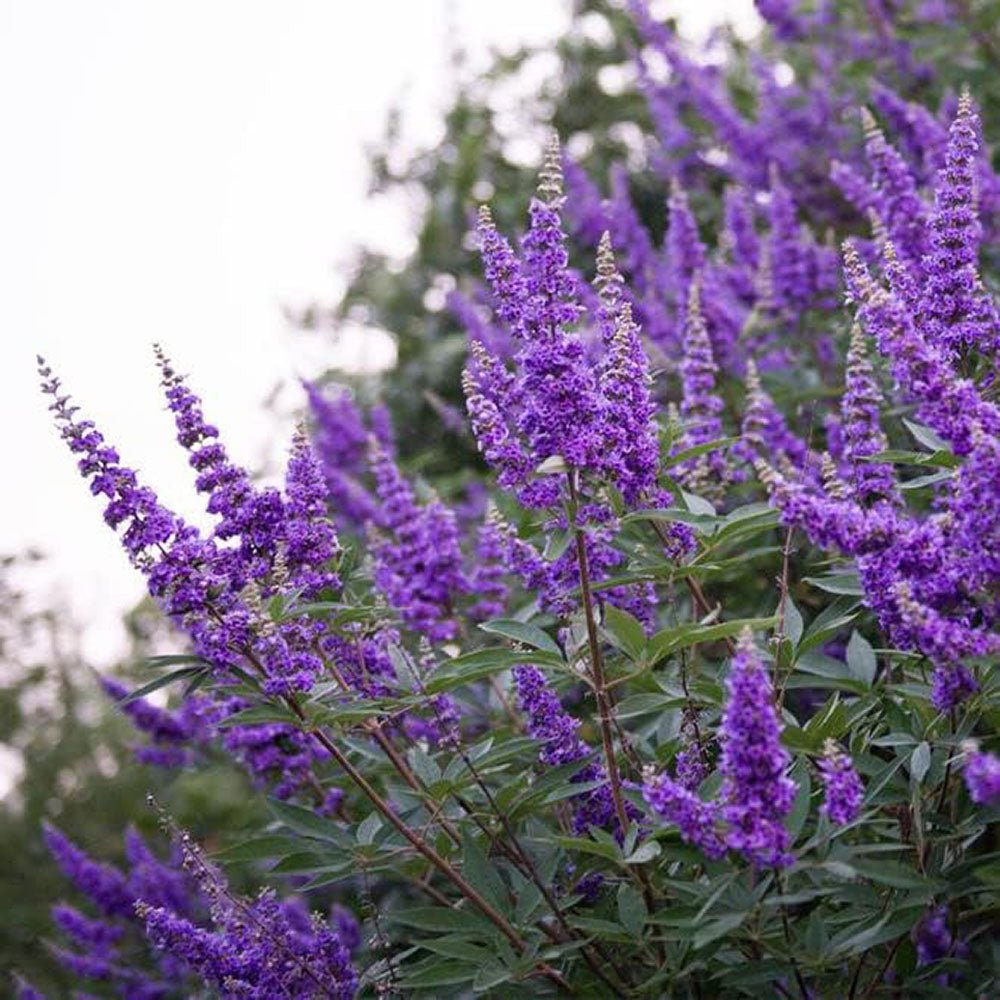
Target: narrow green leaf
(717,928)
(861,660)
(524,632)
(838,583)
(920,762)
(159,682)
(481,873)
(925,436)
(631,909)
(625,631)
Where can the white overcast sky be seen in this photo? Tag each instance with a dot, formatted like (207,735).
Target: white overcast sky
(175,172)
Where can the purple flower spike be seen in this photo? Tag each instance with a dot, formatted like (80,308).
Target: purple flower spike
(843,790)
(756,791)
(698,821)
(863,436)
(957,312)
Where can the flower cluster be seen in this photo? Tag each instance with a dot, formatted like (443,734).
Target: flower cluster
(194,925)
(842,787)
(756,793)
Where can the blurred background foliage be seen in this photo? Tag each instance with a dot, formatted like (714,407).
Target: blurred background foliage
(64,749)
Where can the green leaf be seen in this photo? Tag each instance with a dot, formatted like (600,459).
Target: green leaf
(698,450)
(481,873)
(303,821)
(644,853)
(437,972)
(861,660)
(926,437)
(697,505)
(646,703)
(717,928)
(791,619)
(523,632)
(587,846)
(259,848)
(920,762)
(458,947)
(260,715)
(159,682)
(829,622)
(489,975)
(670,640)
(440,918)
(631,909)
(800,807)
(484,663)
(838,583)
(625,631)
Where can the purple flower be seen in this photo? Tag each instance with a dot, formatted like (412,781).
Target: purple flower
(697,821)
(103,884)
(982,775)
(556,730)
(756,792)
(340,438)
(863,436)
(630,433)
(700,404)
(898,206)
(418,563)
(932,936)
(487,579)
(956,310)
(309,536)
(25,991)
(843,791)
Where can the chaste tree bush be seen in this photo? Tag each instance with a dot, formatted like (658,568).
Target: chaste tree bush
(693,695)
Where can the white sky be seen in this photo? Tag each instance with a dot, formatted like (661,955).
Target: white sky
(175,172)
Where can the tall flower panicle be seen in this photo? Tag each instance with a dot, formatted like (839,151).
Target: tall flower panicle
(418,562)
(101,883)
(756,790)
(843,791)
(309,537)
(765,429)
(193,924)
(957,312)
(171,733)
(925,138)
(684,252)
(897,204)
(631,446)
(486,580)
(340,438)
(863,435)
(489,394)
(791,267)
(700,404)
(146,526)
(950,405)
(739,238)
(503,273)
(253,516)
